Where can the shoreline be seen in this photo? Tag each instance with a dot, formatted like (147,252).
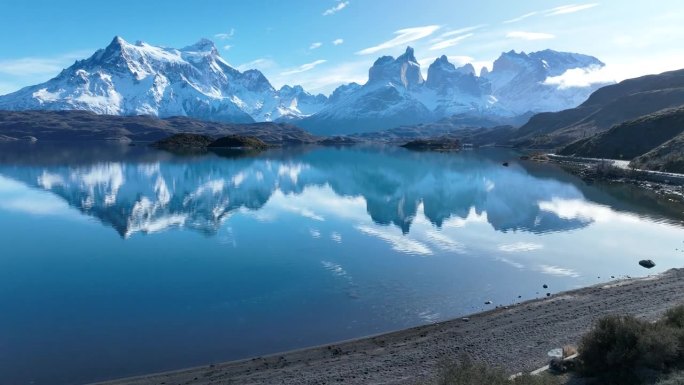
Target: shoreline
(590,170)
(516,338)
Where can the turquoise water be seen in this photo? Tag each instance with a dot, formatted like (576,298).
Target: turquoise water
(116,261)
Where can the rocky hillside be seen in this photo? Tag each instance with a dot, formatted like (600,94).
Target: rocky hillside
(608,106)
(83,126)
(396,93)
(632,138)
(667,157)
(142,79)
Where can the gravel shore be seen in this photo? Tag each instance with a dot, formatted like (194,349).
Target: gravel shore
(516,338)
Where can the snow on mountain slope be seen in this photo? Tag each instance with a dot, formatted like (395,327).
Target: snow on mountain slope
(134,79)
(518,81)
(396,93)
(391,97)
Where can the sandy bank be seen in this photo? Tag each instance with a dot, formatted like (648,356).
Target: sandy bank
(516,338)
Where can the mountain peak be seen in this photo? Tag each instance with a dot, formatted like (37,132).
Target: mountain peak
(116,44)
(203,45)
(403,70)
(408,56)
(467,69)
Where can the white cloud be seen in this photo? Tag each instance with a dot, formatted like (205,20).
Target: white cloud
(521,18)
(315,45)
(398,242)
(450,42)
(404,36)
(529,35)
(225,35)
(562,10)
(581,77)
(461,31)
(558,271)
(338,41)
(227,47)
(517,265)
(444,242)
(32,66)
(325,79)
(338,7)
(572,8)
(520,247)
(303,68)
(261,64)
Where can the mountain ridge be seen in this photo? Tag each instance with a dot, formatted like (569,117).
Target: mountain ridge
(396,94)
(195,81)
(141,79)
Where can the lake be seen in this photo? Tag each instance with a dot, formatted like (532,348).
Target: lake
(118,260)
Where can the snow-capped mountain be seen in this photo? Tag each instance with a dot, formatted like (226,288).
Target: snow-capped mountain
(141,79)
(517,80)
(396,93)
(135,79)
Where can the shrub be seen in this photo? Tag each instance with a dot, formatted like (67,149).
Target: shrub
(619,349)
(673,379)
(467,372)
(675,317)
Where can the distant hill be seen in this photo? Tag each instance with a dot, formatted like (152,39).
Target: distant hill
(667,157)
(632,138)
(84,125)
(606,107)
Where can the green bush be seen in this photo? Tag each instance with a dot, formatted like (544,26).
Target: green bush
(675,317)
(467,372)
(673,379)
(620,349)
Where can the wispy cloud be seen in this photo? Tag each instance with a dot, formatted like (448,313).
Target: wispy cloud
(227,47)
(562,10)
(581,77)
(461,31)
(404,36)
(529,35)
(31,66)
(397,242)
(338,41)
(303,68)
(326,78)
(261,63)
(572,8)
(557,271)
(225,35)
(521,18)
(450,42)
(315,45)
(520,247)
(338,7)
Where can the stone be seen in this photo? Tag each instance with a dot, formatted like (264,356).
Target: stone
(647,263)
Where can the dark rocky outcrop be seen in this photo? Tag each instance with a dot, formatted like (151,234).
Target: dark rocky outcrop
(606,107)
(647,263)
(438,144)
(77,126)
(632,138)
(238,142)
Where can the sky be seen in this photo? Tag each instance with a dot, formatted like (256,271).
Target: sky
(321,44)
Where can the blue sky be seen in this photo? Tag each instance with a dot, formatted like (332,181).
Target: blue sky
(324,43)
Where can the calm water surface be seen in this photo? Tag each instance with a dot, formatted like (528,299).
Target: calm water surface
(117,261)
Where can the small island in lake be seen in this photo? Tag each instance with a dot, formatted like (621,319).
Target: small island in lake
(437,144)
